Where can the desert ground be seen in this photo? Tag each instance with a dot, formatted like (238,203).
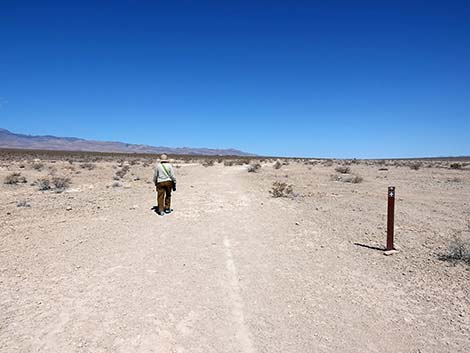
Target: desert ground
(86,265)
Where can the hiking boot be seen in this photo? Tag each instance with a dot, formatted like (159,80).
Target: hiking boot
(161,213)
(168,210)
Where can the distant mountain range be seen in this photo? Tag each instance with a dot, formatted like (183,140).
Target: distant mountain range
(11,140)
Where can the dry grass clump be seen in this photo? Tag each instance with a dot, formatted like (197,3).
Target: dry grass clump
(88,165)
(254,167)
(208,163)
(14,178)
(228,163)
(277,165)
(280,189)
(23,203)
(328,163)
(415,165)
(343,169)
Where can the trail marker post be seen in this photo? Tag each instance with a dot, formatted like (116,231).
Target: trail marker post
(390,217)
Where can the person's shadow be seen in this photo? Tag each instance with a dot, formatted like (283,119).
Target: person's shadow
(154,209)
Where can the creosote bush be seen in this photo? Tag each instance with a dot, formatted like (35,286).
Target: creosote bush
(277,165)
(14,178)
(228,163)
(280,189)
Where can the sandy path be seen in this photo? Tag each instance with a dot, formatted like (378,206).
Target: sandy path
(228,271)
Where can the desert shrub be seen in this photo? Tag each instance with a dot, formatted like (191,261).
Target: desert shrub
(458,250)
(14,178)
(343,169)
(253,168)
(277,165)
(43,184)
(116,184)
(328,163)
(228,163)
(88,165)
(415,165)
(60,183)
(280,189)
(38,166)
(347,178)
(455,166)
(239,162)
(123,171)
(356,179)
(220,160)
(208,163)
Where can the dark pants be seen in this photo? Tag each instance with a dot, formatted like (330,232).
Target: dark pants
(164,195)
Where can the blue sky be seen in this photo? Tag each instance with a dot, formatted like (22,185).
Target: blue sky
(364,79)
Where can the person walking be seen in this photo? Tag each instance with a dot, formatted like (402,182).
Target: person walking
(165,181)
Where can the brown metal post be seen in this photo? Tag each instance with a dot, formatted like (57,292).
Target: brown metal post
(390,217)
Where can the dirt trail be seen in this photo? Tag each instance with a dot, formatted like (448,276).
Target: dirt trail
(228,271)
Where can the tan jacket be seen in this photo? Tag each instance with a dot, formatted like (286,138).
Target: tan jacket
(160,175)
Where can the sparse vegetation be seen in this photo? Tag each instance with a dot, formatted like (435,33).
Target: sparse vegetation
(208,163)
(38,166)
(280,189)
(343,169)
(60,183)
(88,165)
(121,173)
(14,178)
(253,168)
(228,163)
(415,165)
(347,178)
(277,165)
(23,203)
(458,250)
(455,166)
(43,184)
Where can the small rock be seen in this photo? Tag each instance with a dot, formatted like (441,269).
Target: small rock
(390,252)
(297,223)
(69,208)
